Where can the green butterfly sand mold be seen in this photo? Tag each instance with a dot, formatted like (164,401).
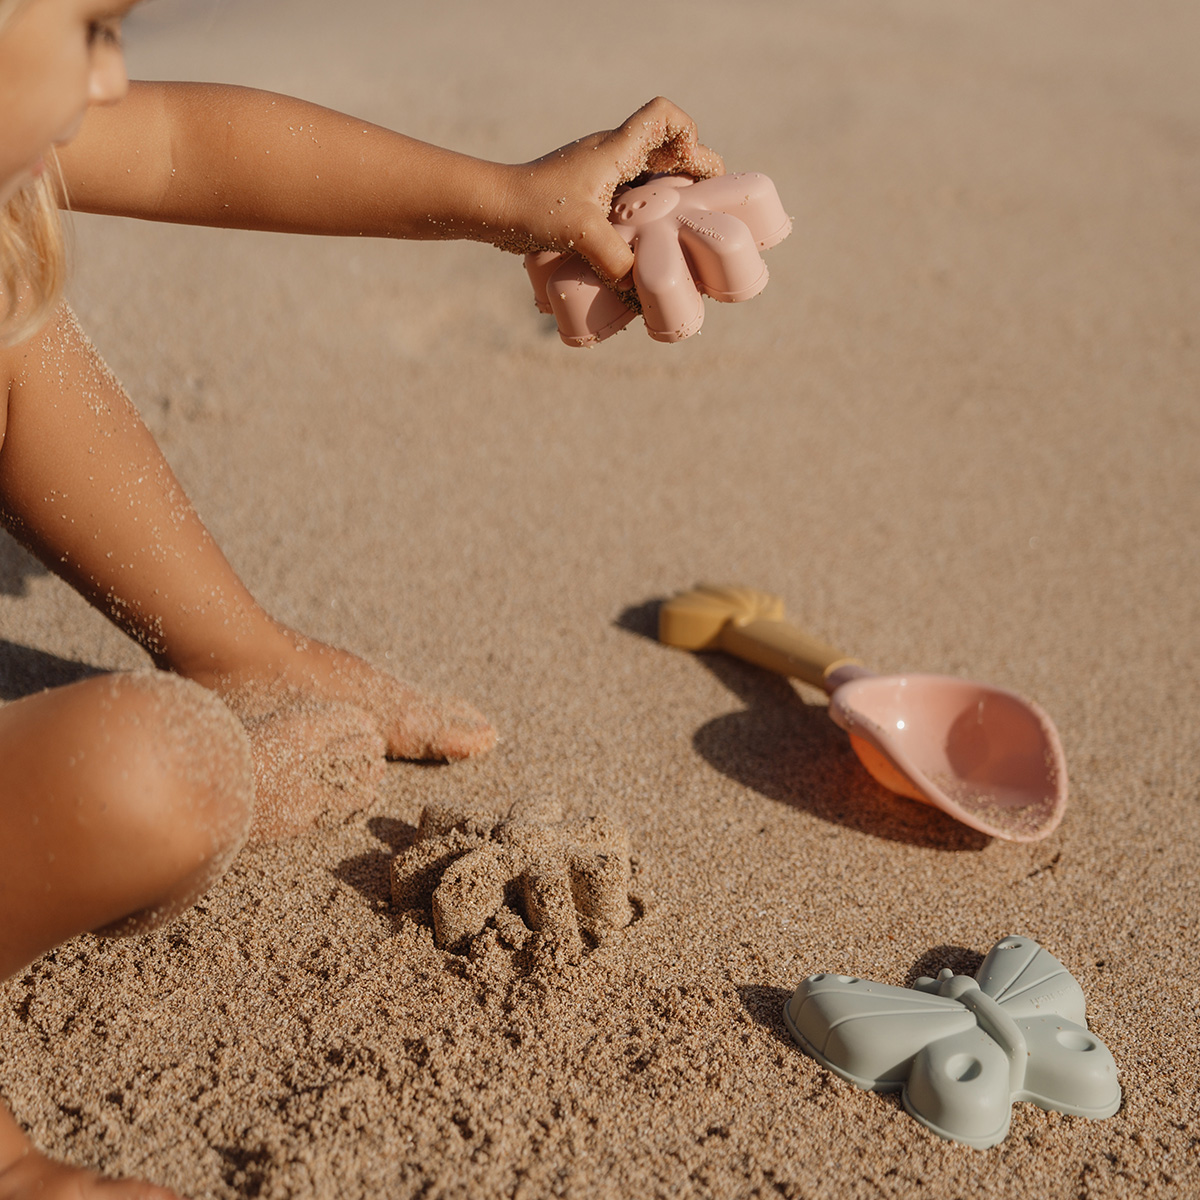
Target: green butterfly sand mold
(961,1050)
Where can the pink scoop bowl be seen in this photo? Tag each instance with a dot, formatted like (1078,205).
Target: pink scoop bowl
(983,754)
(690,239)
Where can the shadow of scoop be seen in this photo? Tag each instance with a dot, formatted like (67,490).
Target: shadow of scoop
(788,750)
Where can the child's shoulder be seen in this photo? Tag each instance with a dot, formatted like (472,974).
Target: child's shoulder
(14,367)
(15,358)
(12,355)
(10,366)
(12,363)
(7,375)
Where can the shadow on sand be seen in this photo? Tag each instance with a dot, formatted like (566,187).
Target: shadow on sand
(370,874)
(24,671)
(788,750)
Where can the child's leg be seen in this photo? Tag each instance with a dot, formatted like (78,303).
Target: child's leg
(121,799)
(84,485)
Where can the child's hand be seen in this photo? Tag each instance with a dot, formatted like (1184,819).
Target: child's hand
(561,201)
(321,724)
(35,1177)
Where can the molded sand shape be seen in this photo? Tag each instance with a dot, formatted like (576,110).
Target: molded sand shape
(988,757)
(688,237)
(964,1049)
(529,873)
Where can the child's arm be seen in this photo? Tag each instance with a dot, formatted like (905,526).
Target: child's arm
(215,155)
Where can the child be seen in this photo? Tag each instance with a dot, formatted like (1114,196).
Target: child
(123,797)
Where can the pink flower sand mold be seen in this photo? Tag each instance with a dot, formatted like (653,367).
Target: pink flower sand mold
(540,882)
(688,237)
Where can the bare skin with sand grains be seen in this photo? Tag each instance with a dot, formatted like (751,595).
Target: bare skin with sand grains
(124,796)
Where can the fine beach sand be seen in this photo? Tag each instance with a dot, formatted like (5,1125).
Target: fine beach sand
(958,432)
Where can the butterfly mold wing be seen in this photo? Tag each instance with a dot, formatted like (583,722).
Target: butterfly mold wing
(1070,1069)
(959,1087)
(1029,981)
(869,1033)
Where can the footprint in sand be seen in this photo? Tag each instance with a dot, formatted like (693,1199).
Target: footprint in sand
(535,878)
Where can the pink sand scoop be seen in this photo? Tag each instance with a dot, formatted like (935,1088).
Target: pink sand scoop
(985,755)
(688,237)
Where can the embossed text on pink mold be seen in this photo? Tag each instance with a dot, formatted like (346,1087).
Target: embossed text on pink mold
(689,239)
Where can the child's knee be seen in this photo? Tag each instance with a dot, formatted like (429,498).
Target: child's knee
(122,798)
(178,797)
(185,786)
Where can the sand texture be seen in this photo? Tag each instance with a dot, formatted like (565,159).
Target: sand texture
(959,432)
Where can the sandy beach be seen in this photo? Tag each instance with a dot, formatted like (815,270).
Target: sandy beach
(959,432)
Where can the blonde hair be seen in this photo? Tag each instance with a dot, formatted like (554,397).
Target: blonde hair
(32,246)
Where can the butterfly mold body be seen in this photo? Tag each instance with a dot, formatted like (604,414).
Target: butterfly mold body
(962,1050)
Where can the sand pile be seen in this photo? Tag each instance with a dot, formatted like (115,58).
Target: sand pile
(531,877)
